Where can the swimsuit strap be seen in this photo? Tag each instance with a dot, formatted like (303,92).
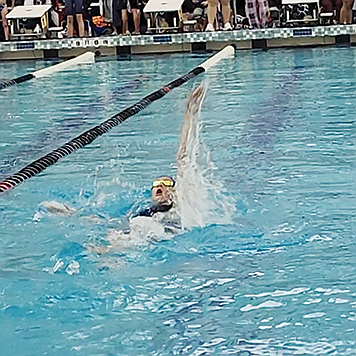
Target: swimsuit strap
(155,209)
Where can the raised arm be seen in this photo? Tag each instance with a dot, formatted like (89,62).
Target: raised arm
(190,127)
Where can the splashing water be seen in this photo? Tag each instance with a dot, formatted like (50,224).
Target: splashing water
(201,198)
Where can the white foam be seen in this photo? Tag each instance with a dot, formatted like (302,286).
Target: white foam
(200,197)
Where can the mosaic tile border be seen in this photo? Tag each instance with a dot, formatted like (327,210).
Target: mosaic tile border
(178,38)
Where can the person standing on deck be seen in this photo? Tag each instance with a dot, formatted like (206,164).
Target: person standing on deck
(346,12)
(122,7)
(75,7)
(4,28)
(257,12)
(226,14)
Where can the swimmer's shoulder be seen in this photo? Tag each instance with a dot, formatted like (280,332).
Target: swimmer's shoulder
(169,220)
(152,210)
(149,212)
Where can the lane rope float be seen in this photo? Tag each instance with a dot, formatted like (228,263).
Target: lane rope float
(89,136)
(88,57)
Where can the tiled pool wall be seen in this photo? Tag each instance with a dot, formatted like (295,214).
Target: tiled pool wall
(180,42)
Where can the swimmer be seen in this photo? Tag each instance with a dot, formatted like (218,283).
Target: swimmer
(158,222)
(163,218)
(163,193)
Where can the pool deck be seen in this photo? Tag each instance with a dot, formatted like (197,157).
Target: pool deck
(180,42)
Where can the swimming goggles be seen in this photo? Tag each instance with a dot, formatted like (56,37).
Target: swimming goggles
(166,182)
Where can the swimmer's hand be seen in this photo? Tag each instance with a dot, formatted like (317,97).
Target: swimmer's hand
(57,208)
(189,130)
(63,209)
(195,101)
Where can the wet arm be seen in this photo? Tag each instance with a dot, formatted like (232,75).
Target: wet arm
(194,102)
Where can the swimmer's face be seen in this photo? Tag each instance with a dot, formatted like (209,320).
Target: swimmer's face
(162,191)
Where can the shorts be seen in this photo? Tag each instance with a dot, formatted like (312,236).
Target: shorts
(122,4)
(74,7)
(17,3)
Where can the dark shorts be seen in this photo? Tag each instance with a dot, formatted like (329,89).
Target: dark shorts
(74,7)
(17,3)
(122,4)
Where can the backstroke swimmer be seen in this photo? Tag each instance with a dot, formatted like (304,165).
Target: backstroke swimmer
(173,209)
(163,218)
(163,193)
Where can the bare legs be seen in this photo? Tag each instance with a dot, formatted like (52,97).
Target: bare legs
(5,24)
(80,22)
(136,19)
(125,24)
(225,9)
(346,12)
(70,24)
(212,7)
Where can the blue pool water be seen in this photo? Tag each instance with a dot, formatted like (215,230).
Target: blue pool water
(277,279)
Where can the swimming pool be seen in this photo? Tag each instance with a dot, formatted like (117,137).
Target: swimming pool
(278,279)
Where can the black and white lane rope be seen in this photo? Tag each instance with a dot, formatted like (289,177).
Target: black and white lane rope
(89,136)
(87,57)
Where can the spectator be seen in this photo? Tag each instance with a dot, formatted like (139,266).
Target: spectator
(257,12)
(122,6)
(4,28)
(108,7)
(188,9)
(100,27)
(75,7)
(195,10)
(200,14)
(346,12)
(333,6)
(226,14)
